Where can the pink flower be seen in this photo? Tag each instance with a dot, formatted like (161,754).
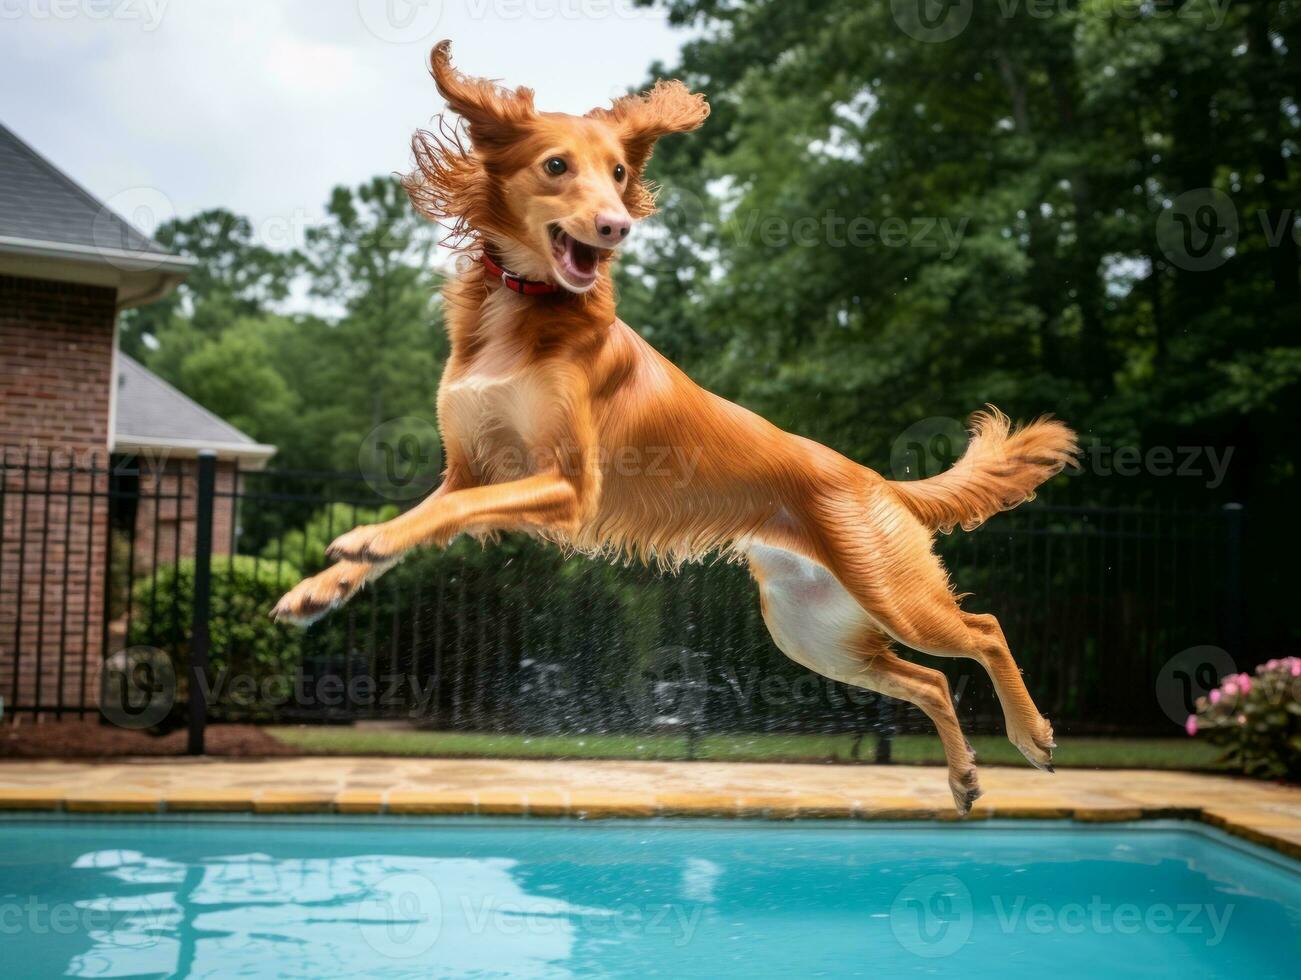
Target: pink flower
(1296,667)
(1242,719)
(1244,682)
(1230,688)
(1216,695)
(1190,726)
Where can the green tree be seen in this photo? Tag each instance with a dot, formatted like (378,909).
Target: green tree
(237,375)
(1064,147)
(236,275)
(373,257)
(1024,138)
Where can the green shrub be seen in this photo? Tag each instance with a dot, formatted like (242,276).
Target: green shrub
(305,546)
(471,628)
(245,642)
(1256,719)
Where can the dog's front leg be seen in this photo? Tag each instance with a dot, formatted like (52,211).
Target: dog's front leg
(316,595)
(547,500)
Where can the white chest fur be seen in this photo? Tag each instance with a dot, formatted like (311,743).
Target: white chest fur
(491,413)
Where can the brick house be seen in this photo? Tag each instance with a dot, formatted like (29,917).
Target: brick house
(163,430)
(71,405)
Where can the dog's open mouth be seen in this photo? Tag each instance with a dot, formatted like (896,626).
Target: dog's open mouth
(575,261)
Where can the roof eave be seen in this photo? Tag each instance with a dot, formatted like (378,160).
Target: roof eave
(138,277)
(251,452)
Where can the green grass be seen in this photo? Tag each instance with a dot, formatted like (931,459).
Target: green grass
(1149,753)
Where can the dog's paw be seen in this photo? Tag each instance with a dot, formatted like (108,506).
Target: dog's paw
(966,790)
(312,598)
(1036,746)
(367,543)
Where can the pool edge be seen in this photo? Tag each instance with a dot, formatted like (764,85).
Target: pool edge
(593,805)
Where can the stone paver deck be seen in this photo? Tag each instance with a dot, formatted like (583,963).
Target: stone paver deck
(1265,813)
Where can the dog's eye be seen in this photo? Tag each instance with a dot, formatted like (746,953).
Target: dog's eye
(619,172)
(555,166)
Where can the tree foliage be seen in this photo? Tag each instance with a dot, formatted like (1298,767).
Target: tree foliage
(313,385)
(1010,186)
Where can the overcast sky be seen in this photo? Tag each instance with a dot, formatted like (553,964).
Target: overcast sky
(261,106)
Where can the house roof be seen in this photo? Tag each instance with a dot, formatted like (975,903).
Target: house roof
(152,416)
(52,228)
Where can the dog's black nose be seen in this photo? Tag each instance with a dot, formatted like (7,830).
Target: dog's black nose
(612,229)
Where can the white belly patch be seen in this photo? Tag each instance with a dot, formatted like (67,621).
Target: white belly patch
(812,618)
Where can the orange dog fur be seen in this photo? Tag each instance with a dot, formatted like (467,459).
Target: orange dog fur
(560,421)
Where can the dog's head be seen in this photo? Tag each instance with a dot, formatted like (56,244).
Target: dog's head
(553,194)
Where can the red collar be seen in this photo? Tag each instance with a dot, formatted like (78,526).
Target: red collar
(525,287)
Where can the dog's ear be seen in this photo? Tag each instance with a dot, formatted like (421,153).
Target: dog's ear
(669,107)
(495,115)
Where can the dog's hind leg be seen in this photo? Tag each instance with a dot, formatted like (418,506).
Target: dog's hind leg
(816,623)
(1026,728)
(927,688)
(883,556)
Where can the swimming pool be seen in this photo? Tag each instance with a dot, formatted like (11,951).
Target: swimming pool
(259,896)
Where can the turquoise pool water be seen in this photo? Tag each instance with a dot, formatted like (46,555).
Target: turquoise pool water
(258,897)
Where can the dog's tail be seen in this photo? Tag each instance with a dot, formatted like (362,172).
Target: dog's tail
(1000,469)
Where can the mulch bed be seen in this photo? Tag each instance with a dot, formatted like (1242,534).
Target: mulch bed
(89,739)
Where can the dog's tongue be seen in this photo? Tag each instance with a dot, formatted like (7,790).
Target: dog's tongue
(582,257)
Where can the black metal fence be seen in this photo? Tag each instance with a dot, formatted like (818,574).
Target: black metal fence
(141,589)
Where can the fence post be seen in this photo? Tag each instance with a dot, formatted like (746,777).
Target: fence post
(1233,514)
(199,637)
(885,729)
